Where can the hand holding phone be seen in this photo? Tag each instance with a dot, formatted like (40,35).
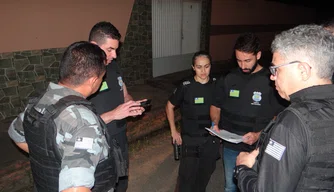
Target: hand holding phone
(146,103)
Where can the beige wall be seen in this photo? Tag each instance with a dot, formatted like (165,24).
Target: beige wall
(41,24)
(255,12)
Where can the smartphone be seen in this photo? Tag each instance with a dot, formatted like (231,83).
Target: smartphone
(146,103)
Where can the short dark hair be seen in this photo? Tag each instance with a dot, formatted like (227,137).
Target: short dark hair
(81,61)
(248,43)
(201,54)
(329,24)
(102,30)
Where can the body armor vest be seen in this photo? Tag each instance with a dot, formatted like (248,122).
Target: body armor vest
(253,99)
(319,168)
(196,108)
(245,105)
(45,159)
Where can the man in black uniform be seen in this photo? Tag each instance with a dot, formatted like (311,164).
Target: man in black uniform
(244,102)
(298,148)
(199,148)
(113,101)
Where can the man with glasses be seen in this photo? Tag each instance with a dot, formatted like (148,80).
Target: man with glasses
(244,103)
(297,148)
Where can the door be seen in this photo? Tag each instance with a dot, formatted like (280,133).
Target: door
(191,26)
(175,34)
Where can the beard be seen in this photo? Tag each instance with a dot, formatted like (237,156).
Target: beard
(250,70)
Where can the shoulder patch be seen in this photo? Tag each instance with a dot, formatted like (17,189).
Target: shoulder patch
(214,79)
(275,149)
(186,82)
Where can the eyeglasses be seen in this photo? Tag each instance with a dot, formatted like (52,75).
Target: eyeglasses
(273,69)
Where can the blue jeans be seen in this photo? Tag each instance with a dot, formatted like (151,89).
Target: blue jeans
(229,159)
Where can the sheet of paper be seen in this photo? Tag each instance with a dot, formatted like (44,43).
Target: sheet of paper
(227,136)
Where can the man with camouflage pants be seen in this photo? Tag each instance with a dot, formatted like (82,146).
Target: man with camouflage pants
(69,152)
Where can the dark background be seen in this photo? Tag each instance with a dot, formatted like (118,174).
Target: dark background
(323,8)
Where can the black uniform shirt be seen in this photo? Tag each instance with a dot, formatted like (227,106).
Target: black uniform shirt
(247,102)
(194,100)
(298,152)
(110,96)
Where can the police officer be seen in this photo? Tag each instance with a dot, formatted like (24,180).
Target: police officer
(297,152)
(67,147)
(113,101)
(199,148)
(244,102)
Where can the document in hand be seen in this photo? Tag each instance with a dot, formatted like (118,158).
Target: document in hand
(227,136)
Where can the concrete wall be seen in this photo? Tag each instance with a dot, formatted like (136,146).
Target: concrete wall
(35,33)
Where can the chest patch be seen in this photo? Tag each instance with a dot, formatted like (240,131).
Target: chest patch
(199,100)
(234,93)
(104,86)
(256,98)
(120,82)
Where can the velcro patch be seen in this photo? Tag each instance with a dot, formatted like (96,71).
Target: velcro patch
(83,143)
(199,100)
(275,149)
(234,93)
(104,86)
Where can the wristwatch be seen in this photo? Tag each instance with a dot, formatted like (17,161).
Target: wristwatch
(237,170)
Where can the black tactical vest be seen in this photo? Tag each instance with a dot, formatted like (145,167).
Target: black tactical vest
(45,159)
(254,101)
(196,107)
(319,169)
(246,105)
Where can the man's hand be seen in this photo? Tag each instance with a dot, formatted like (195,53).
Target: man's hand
(248,159)
(141,110)
(23,146)
(251,137)
(130,108)
(216,128)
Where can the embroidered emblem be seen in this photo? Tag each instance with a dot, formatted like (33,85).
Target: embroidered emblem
(256,98)
(120,82)
(186,82)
